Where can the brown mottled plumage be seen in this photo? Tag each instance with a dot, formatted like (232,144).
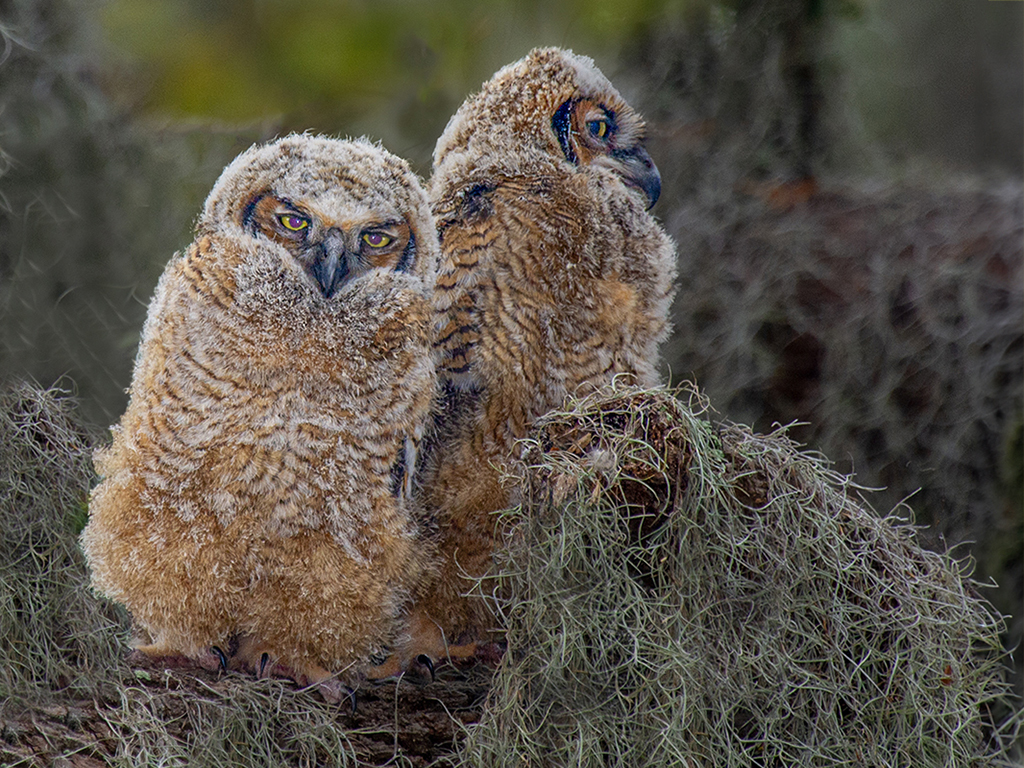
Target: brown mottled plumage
(554,279)
(255,496)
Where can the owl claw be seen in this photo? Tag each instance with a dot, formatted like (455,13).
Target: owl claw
(335,692)
(221,658)
(264,660)
(418,664)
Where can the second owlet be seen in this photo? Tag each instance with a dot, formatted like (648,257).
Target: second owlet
(554,280)
(255,499)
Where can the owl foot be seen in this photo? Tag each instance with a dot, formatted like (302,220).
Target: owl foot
(222,660)
(332,687)
(419,669)
(423,647)
(335,692)
(255,658)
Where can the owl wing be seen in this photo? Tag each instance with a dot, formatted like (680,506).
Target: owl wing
(467,233)
(509,246)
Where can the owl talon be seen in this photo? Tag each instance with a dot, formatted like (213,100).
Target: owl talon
(334,692)
(415,671)
(264,660)
(221,658)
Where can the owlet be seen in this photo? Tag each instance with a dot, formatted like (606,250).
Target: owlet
(255,500)
(554,280)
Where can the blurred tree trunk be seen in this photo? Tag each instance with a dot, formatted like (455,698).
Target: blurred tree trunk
(743,76)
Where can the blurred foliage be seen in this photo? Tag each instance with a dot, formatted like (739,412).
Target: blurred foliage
(885,320)
(398,69)
(395,69)
(942,78)
(92,205)
(53,630)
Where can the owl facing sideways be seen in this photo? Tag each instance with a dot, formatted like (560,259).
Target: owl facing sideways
(554,280)
(255,498)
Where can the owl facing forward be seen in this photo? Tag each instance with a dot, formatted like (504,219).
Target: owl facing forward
(255,497)
(554,280)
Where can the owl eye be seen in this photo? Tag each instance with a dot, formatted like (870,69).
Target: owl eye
(293,223)
(376,239)
(598,128)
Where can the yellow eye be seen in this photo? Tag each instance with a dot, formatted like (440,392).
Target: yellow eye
(293,223)
(598,128)
(376,239)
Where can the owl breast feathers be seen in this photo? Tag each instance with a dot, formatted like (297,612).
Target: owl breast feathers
(255,498)
(554,280)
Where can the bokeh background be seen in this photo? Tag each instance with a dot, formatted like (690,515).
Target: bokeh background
(844,179)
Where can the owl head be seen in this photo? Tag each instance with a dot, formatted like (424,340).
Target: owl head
(339,209)
(556,105)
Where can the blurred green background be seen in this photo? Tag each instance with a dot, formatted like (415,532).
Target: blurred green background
(844,179)
(940,78)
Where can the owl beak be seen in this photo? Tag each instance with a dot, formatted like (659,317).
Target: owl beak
(329,265)
(639,170)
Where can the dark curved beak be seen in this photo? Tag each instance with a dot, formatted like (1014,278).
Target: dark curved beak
(639,170)
(329,263)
